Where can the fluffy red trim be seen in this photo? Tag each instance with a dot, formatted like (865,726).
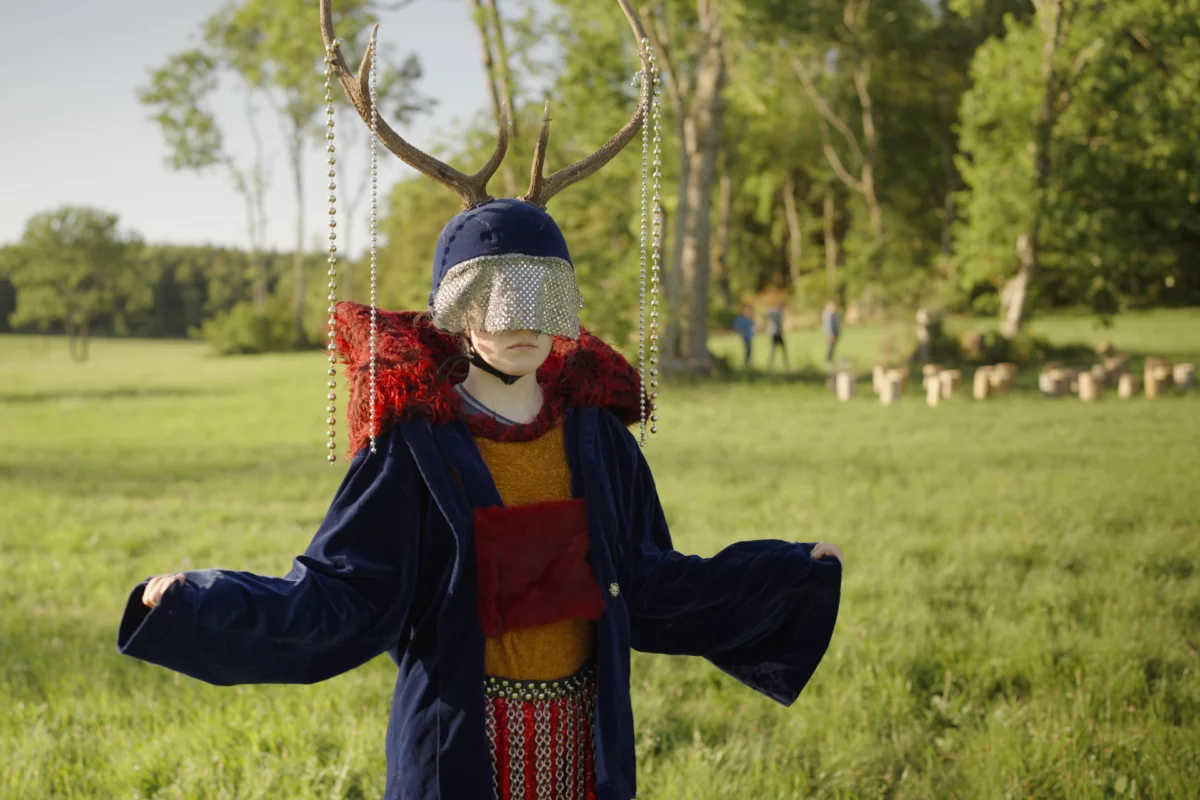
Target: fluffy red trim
(533,567)
(415,376)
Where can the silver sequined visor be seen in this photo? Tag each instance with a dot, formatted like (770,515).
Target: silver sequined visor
(509,293)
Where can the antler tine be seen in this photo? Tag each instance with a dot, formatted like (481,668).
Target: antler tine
(536,179)
(542,189)
(471,188)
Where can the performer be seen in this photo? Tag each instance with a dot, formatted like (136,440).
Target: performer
(498,532)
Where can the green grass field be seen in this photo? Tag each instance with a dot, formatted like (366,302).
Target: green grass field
(1021,609)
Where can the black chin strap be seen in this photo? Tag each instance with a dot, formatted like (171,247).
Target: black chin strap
(477,360)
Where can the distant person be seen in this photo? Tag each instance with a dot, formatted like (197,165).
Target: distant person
(832,327)
(744,325)
(775,331)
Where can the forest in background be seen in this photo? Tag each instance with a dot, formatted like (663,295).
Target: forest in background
(989,157)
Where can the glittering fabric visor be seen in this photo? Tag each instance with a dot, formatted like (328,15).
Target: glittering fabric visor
(497,293)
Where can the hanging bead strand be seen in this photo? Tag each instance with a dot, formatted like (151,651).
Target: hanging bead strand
(374,228)
(655,112)
(644,78)
(331,344)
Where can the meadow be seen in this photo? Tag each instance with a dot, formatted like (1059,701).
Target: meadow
(1020,614)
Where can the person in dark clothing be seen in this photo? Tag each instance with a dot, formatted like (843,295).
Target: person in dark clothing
(775,331)
(743,324)
(832,327)
(498,532)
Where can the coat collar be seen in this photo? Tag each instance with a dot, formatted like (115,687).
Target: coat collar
(416,368)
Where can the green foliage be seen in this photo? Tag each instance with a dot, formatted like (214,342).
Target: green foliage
(246,328)
(1031,634)
(72,270)
(1123,201)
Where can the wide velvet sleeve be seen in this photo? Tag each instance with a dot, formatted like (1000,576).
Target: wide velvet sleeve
(345,600)
(762,611)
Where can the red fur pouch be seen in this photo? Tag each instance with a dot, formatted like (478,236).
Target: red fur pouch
(533,567)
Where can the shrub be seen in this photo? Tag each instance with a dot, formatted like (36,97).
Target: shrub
(245,329)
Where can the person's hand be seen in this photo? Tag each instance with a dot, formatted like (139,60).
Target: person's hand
(157,586)
(823,550)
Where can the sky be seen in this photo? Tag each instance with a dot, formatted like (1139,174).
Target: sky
(79,136)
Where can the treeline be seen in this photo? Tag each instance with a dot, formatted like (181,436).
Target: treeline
(75,273)
(979,156)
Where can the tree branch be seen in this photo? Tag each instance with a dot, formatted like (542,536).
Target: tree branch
(862,85)
(677,88)
(823,108)
(834,161)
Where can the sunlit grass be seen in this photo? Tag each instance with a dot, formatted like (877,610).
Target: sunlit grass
(1021,609)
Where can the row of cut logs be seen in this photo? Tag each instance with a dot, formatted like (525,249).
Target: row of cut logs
(1055,380)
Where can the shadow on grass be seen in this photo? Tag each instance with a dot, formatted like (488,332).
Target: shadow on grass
(151,478)
(122,393)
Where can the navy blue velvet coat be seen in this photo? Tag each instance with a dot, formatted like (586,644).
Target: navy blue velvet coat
(392,569)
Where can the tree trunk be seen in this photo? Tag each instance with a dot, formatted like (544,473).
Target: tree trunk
(252,186)
(673,336)
(795,234)
(296,154)
(69,332)
(494,85)
(1015,295)
(862,85)
(77,341)
(1014,299)
(829,220)
(705,123)
(721,261)
(83,340)
(505,73)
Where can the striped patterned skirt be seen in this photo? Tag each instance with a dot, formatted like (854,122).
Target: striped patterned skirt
(540,736)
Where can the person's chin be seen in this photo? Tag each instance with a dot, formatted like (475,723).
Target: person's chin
(521,364)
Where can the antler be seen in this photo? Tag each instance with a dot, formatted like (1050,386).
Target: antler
(541,189)
(471,188)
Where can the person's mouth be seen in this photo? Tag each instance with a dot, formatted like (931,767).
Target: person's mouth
(522,346)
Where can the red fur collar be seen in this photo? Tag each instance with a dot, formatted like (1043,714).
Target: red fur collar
(412,381)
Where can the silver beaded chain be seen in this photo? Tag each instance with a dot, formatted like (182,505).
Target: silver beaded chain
(644,79)
(330,322)
(656,235)
(652,220)
(374,226)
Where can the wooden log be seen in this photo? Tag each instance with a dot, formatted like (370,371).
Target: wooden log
(900,375)
(1184,376)
(1055,382)
(1089,387)
(845,382)
(1002,377)
(933,391)
(1115,367)
(878,376)
(949,380)
(929,370)
(1158,376)
(983,383)
(891,390)
(1127,386)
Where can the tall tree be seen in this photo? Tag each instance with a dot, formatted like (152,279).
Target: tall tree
(1081,181)
(694,73)
(179,92)
(272,47)
(853,55)
(73,267)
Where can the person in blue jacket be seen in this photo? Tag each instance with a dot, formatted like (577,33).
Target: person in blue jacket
(498,534)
